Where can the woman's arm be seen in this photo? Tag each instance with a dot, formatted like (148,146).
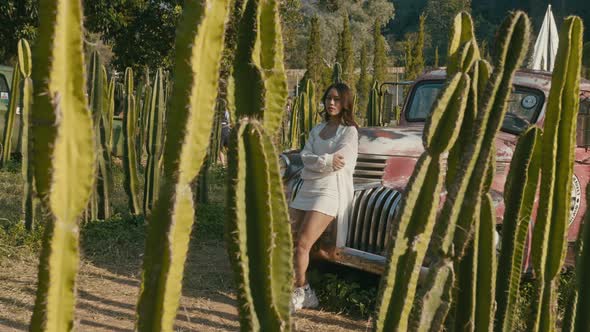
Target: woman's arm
(348,145)
(315,163)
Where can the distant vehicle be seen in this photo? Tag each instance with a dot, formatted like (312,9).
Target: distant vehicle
(5,81)
(387,157)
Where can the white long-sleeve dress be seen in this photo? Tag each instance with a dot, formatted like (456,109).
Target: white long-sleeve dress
(324,189)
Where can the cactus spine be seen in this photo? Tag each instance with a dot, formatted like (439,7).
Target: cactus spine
(418,211)
(549,236)
(199,44)
(129,146)
(153,143)
(64,157)
(24,61)
(259,239)
(10,115)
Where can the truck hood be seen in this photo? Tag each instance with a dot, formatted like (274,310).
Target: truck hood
(403,142)
(407,142)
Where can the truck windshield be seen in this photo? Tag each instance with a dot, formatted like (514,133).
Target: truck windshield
(523,106)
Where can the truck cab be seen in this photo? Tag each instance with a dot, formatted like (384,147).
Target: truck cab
(387,157)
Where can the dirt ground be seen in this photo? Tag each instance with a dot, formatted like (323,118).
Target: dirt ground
(107,295)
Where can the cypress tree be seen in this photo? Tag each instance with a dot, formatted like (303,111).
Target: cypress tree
(362,86)
(409,57)
(418,63)
(313,58)
(379,57)
(344,53)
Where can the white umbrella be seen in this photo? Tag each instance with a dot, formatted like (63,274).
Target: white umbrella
(546,44)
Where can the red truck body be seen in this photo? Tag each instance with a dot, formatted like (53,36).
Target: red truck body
(387,156)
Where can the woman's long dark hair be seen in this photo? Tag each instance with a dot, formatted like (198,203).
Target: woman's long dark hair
(346,101)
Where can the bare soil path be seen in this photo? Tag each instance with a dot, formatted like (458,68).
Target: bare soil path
(107,294)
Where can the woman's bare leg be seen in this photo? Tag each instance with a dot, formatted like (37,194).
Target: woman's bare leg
(314,224)
(296,220)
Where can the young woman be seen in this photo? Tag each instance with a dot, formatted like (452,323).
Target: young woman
(329,157)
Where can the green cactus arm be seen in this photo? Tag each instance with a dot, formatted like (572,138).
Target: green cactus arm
(557,169)
(519,195)
(24,56)
(70,157)
(462,32)
(273,68)
(10,115)
(466,133)
(391,305)
(582,319)
(486,267)
(236,229)
(268,238)
(152,143)
(129,148)
(442,126)
(199,45)
(246,64)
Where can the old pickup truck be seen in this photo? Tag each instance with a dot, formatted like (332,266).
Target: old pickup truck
(387,156)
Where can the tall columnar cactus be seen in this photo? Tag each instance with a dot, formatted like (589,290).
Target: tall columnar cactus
(24,61)
(454,227)
(519,196)
(259,239)
(199,44)
(153,142)
(100,200)
(418,211)
(294,128)
(109,112)
(129,146)
(10,116)
(259,236)
(63,158)
(337,73)
(96,99)
(559,139)
(374,116)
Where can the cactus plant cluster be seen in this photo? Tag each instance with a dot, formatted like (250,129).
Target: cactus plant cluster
(462,288)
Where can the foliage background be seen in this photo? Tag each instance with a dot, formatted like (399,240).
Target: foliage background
(140,33)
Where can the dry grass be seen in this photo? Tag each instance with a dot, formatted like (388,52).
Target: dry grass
(109,278)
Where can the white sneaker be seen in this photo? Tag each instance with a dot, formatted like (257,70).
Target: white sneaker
(310,300)
(297,299)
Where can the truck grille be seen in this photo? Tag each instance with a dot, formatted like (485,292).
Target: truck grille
(369,168)
(370,220)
